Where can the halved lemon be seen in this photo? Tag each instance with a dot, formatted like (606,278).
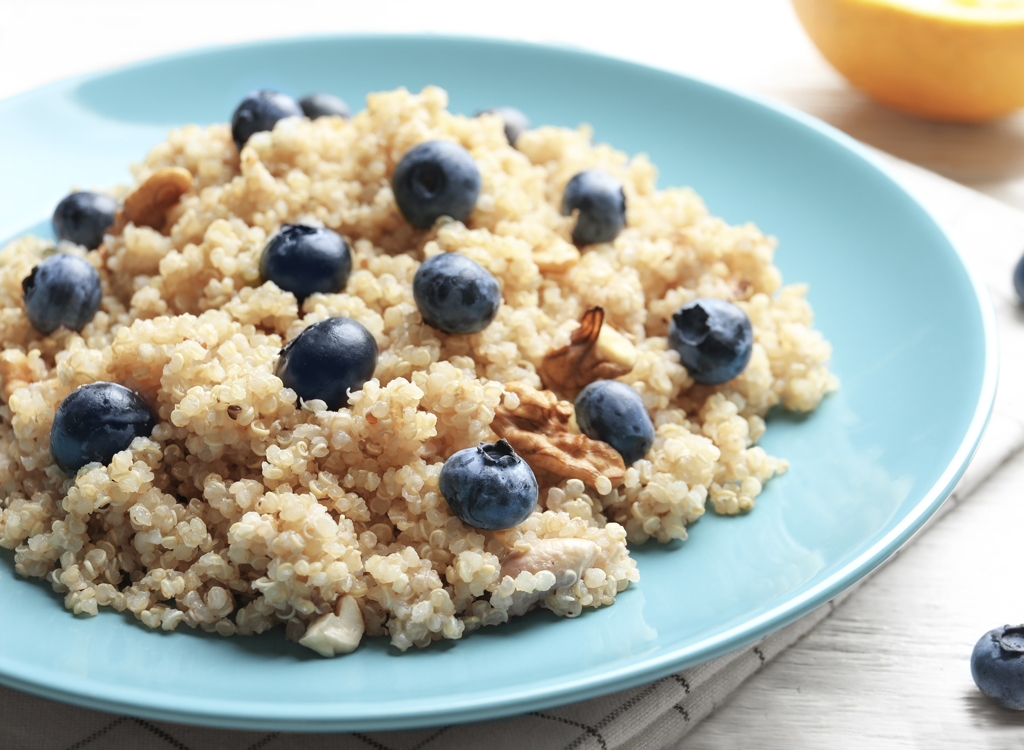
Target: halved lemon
(955,60)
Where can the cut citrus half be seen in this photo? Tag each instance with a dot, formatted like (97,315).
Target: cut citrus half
(955,60)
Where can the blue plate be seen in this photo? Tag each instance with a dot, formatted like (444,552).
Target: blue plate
(914,342)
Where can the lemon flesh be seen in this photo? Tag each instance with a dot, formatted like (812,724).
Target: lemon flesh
(954,60)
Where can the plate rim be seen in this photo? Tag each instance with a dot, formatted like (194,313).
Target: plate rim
(317,717)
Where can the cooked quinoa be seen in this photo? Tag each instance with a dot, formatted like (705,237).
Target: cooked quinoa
(247,509)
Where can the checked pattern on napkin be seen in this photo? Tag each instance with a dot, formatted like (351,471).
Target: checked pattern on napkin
(142,733)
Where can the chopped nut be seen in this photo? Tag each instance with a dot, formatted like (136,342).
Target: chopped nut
(148,205)
(538,430)
(333,634)
(14,371)
(565,559)
(595,352)
(556,255)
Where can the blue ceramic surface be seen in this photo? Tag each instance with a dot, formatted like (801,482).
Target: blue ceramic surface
(914,347)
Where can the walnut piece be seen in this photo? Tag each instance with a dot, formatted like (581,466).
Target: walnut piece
(538,430)
(148,204)
(595,352)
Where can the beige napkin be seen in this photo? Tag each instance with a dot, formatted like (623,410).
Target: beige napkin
(649,717)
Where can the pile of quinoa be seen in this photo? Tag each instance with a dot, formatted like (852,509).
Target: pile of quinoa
(247,509)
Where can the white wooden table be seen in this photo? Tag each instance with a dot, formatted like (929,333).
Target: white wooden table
(890,667)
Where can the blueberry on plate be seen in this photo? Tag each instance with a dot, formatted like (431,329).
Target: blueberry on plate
(515,121)
(997,665)
(456,294)
(489,487)
(260,110)
(324,105)
(94,422)
(327,360)
(63,290)
(614,413)
(83,218)
(1018,279)
(304,260)
(601,204)
(434,179)
(714,339)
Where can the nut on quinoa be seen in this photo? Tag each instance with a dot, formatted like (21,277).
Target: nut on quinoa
(246,509)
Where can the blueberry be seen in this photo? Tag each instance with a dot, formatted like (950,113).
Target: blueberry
(515,121)
(434,179)
(455,294)
(714,339)
(489,487)
(997,665)
(63,290)
(83,218)
(96,421)
(260,110)
(614,413)
(324,105)
(327,360)
(1018,279)
(601,204)
(303,260)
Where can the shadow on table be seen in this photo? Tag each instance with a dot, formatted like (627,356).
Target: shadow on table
(986,152)
(985,713)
